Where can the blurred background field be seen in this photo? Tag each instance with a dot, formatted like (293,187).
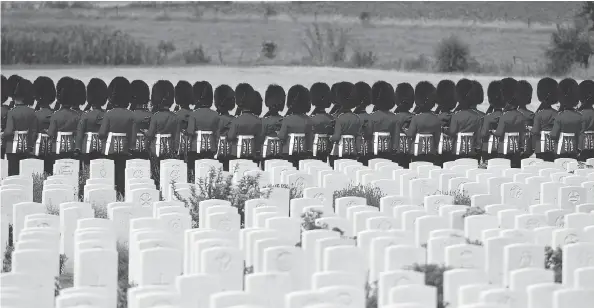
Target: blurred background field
(491,38)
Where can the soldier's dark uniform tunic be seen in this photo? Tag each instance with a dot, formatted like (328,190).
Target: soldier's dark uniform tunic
(62,130)
(489,143)
(142,119)
(3,114)
(87,135)
(272,145)
(163,134)
(445,148)
(185,141)
(424,129)
(323,128)
(347,126)
(511,131)
(402,143)
(245,137)
(567,127)
(296,135)
(43,145)
(528,143)
(223,146)
(543,144)
(203,126)
(19,135)
(464,127)
(363,143)
(381,131)
(586,141)
(117,132)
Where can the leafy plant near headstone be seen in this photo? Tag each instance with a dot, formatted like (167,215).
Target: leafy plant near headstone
(371,194)
(473,210)
(294,191)
(371,295)
(554,261)
(459,197)
(308,222)
(38,179)
(434,277)
(475,242)
(7,258)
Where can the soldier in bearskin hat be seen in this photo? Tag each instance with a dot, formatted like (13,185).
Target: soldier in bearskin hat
(489,143)
(245,130)
(524,98)
(446,102)
(464,124)
(163,132)
(117,129)
(271,123)
(323,123)
(203,124)
(348,125)
(425,126)
(60,85)
(139,105)
(3,113)
(184,97)
(88,143)
(544,117)
(21,125)
(45,94)
(511,127)
(405,99)
(296,132)
(81,107)
(586,140)
(381,124)
(258,104)
(363,91)
(478,97)
(224,100)
(567,126)
(334,95)
(64,122)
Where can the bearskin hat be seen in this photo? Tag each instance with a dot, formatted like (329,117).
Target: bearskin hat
(509,88)
(425,96)
(587,92)
(275,98)
(224,98)
(243,91)
(62,84)
(24,91)
(446,95)
(97,92)
(119,92)
(45,91)
(321,95)
(363,91)
(569,93)
(382,96)
(524,93)
(162,94)
(405,96)
(184,94)
(494,94)
(256,103)
(203,94)
(477,94)
(464,93)
(77,93)
(346,95)
(140,94)
(298,100)
(4,89)
(546,91)
(12,83)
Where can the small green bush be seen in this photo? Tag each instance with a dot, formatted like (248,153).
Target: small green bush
(554,261)
(363,59)
(196,55)
(452,55)
(325,44)
(370,193)
(434,277)
(473,210)
(269,49)
(569,45)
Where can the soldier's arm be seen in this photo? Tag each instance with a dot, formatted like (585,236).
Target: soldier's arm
(152,130)
(9,130)
(191,128)
(81,129)
(232,132)
(177,133)
(412,127)
(52,131)
(337,130)
(309,133)
(500,131)
(395,134)
(283,132)
(33,130)
(536,127)
(104,129)
(556,131)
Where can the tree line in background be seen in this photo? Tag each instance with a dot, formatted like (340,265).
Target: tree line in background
(325,45)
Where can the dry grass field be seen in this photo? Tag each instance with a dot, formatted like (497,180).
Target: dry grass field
(504,37)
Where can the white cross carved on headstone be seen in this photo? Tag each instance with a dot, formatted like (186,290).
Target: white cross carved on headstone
(320,197)
(145,199)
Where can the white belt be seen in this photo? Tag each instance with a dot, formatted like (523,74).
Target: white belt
(490,143)
(340,143)
(458,141)
(589,145)
(38,142)
(59,140)
(89,139)
(417,139)
(316,141)
(376,136)
(440,145)
(506,141)
(199,134)
(221,139)
(15,138)
(543,135)
(265,147)
(292,138)
(240,140)
(108,142)
(561,139)
(158,138)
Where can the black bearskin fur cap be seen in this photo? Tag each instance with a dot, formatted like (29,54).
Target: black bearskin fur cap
(4,89)
(494,94)
(256,103)
(243,91)
(79,93)
(184,94)
(509,89)
(12,83)
(224,98)
(464,93)
(587,92)
(96,92)
(45,90)
(63,83)
(478,94)
(363,91)
(405,96)
(569,93)
(346,95)
(524,93)
(321,96)
(119,92)
(546,91)
(203,94)
(162,95)
(24,91)
(446,95)
(140,93)
(298,100)
(382,96)
(425,96)
(275,98)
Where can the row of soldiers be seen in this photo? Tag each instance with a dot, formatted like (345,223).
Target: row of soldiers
(128,120)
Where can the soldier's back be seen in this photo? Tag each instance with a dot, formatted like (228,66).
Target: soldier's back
(382,121)
(545,118)
(93,120)
(465,121)
(142,118)
(588,119)
(163,122)
(322,123)
(271,124)
(43,118)
(22,117)
(120,120)
(204,119)
(347,124)
(570,121)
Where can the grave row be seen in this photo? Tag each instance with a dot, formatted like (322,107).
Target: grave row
(268,260)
